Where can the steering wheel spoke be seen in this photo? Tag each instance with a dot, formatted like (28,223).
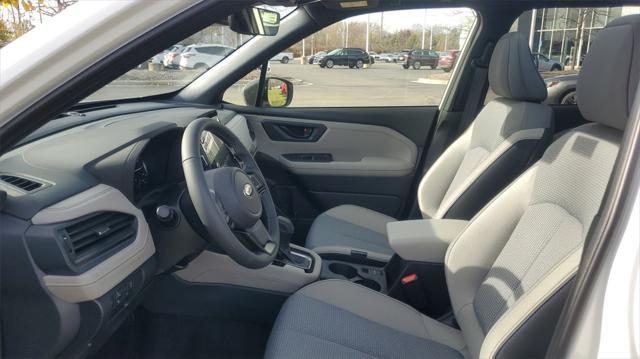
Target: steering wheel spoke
(259,236)
(220,207)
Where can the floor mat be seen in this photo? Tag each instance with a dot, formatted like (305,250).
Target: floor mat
(154,335)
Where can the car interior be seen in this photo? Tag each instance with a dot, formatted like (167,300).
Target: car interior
(183,225)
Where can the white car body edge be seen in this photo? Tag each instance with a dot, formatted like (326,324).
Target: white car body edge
(48,56)
(283,57)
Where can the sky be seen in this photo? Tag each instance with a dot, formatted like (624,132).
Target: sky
(402,19)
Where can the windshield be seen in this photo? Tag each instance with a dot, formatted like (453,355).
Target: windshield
(333,52)
(178,65)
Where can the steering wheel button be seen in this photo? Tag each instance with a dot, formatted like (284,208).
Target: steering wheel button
(269,247)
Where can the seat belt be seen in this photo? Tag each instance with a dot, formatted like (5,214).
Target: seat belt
(479,85)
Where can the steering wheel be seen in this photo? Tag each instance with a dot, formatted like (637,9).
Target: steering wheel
(231,202)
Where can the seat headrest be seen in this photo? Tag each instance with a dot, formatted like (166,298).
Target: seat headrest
(512,73)
(609,76)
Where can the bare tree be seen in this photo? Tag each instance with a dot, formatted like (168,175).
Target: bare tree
(53,7)
(18,15)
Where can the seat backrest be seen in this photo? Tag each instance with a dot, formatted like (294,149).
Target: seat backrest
(509,271)
(507,136)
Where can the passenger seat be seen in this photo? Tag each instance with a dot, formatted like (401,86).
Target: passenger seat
(508,135)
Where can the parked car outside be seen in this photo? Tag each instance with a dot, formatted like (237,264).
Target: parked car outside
(386,57)
(159,58)
(200,57)
(546,64)
(447,62)
(352,57)
(374,55)
(561,90)
(283,57)
(313,59)
(419,58)
(171,59)
(401,56)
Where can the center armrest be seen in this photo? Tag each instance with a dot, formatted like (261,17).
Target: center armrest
(424,240)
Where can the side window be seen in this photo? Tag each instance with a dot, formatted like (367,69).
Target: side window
(561,37)
(320,80)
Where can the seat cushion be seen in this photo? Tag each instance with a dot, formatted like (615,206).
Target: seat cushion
(345,228)
(339,319)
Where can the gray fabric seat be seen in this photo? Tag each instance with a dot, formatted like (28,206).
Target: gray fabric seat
(348,228)
(506,137)
(509,271)
(306,327)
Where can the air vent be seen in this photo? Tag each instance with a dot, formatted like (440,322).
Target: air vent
(24,184)
(98,235)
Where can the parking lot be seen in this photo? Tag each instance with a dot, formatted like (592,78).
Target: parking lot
(379,85)
(382,84)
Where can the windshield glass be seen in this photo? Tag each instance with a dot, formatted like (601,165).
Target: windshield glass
(178,65)
(333,52)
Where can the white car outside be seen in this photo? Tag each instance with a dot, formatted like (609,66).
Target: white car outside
(203,56)
(159,57)
(386,57)
(172,58)
(283,57)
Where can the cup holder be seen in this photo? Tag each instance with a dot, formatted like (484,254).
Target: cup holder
(343,269)
(371,284)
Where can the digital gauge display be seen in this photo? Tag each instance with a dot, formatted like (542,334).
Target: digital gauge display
(211,149)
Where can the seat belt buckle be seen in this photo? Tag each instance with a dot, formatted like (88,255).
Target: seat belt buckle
(414,291)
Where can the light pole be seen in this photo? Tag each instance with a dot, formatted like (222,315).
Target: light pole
(381,25)
(367,34)
(303,45)
(446,38)
(424,27)
(346,35)
(430,36)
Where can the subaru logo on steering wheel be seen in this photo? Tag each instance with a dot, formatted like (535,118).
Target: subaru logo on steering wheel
(247,190)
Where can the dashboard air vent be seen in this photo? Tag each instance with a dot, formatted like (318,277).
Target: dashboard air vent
(24,184)
(98,235)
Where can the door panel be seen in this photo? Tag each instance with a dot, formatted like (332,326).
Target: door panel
(317,158)
(342,149)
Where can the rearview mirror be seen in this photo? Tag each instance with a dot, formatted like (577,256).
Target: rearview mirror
(255,21)
(277,92)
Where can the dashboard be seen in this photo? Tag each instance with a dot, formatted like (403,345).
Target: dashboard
(83,236)
(159,164)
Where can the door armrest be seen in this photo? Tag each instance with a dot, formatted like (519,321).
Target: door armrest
(424,240)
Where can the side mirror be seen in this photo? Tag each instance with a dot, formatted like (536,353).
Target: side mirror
(255,21)
(277,92)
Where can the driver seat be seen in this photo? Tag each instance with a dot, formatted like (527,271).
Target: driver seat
(509,272)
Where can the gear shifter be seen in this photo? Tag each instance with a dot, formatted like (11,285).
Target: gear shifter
(286,232)
(285,254)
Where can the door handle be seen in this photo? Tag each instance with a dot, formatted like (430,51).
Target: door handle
(299,132)
(293,132)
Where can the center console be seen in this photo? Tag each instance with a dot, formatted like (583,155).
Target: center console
(415,274)
(369,276)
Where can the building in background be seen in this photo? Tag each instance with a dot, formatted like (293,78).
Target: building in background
(565,34)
